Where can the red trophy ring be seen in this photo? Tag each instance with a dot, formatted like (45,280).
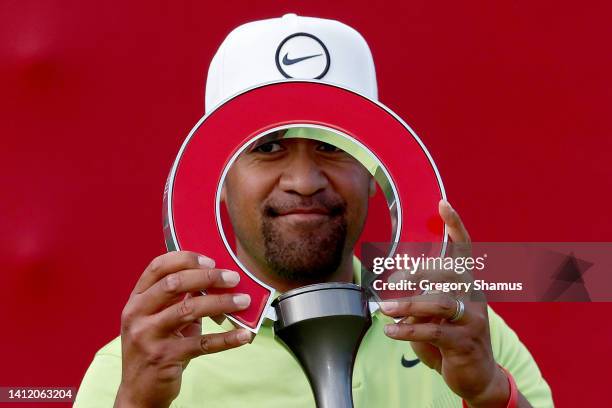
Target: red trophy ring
(191,199)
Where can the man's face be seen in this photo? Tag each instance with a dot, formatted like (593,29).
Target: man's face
(297,206)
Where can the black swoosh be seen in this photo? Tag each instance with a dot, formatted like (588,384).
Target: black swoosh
(409,363)
(288,61)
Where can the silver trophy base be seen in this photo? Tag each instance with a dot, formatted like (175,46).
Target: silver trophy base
(322,325)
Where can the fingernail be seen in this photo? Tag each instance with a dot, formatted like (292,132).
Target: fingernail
(230,278)
(242,301)
(244,336)
(390,329)
(388,306)
(447,204)
(206,262)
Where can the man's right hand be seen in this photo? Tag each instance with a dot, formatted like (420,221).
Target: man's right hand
(162,321)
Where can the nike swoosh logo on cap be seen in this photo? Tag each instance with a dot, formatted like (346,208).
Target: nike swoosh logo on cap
(288,61)
(409,363)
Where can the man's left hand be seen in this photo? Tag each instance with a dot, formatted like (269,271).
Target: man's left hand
(460,350)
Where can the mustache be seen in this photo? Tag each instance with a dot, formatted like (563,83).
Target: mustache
(333,206)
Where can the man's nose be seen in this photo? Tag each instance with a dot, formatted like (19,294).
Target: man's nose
(303,175)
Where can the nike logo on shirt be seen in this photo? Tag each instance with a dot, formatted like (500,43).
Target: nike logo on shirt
(409,363)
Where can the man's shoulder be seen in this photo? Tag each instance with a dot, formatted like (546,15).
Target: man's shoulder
(502,335)
(112,348)
(511,353)
(100,383)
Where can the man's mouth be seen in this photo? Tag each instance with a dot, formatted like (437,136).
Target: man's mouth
(304,214)
(305,210)
(301,215)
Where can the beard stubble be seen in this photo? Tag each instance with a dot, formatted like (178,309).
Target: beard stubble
(310,254)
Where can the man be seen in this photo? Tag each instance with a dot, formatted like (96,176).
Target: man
(297,207)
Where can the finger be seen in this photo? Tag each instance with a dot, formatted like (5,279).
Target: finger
(192,308)
(219,319)
(433,270)
(453,222)
(213,343)
(192,329)
(166,290)
(459,235)
(438,274)
(169,263)
(438,306)
(419,319)
(442,336)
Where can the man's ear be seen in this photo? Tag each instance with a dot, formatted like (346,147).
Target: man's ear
(372,187)
(223,194)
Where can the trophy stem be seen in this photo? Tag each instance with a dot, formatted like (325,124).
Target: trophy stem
(323,325)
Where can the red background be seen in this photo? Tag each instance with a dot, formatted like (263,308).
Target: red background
(512,99)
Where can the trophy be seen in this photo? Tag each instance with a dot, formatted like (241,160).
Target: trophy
(322,325)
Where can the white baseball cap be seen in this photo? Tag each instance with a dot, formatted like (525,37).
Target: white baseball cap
(290,47)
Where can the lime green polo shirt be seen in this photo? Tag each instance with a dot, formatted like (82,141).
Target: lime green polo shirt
(264,374)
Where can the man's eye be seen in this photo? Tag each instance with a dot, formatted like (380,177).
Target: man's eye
(330,148)
(270,147)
